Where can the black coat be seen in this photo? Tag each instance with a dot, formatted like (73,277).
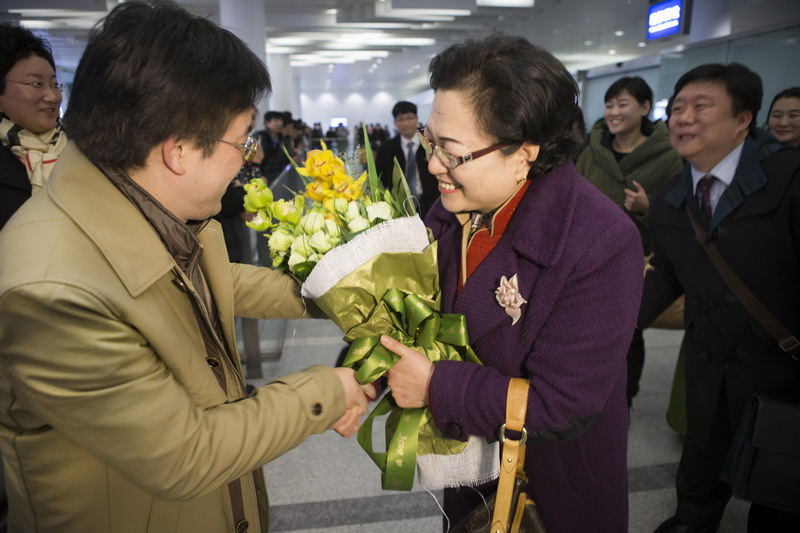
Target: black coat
(15,187)
(384,163)
(756,227)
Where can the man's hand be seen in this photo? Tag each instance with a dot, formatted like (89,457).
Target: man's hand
(355,400)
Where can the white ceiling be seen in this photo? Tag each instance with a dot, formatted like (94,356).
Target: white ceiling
(584,34)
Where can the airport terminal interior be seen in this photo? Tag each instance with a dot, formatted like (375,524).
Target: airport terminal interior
(349,61)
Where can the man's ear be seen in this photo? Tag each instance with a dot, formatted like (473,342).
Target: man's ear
(173,152)
(743,120)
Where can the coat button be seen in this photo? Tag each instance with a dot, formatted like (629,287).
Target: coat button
(316,409)
(453,431)
(212,362)
(241,526)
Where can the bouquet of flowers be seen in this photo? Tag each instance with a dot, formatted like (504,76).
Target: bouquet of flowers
(364,256)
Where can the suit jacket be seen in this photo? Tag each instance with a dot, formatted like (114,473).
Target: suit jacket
(756,227)
(111,416)
(15,187)
(578,259)
(384,163)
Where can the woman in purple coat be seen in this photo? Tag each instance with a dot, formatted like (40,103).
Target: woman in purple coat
(516,219)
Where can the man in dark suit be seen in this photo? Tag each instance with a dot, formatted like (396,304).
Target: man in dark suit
(750,206)
(421,182)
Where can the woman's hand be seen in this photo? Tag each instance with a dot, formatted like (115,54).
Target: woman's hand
(637,201)
(410,377)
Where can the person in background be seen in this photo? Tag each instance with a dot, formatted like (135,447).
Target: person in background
(547,271)
(122,401)
(31,138)
(627,156)
(749,205)
(405,147)
(783,119)
(270,140)
(30,131)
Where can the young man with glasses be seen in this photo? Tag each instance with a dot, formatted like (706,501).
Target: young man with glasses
(406,148)
(122,401)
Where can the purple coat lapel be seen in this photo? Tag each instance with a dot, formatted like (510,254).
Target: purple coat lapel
(534,240)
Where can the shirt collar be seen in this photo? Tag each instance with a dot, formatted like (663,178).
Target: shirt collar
(414,139)
(724,171)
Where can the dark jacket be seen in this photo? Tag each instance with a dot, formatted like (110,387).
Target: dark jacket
(15,187)
(579,262)
(384,163)
(756,227)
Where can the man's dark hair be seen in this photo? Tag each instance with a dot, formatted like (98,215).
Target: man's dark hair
(155,71)
(742,85)
(18,43)
(519,92)
(270,115)
(403,107)
(637,88)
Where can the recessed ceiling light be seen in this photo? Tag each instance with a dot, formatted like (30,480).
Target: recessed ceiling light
(331,11)
(642,44)
(587,43)
(619,33)
(612,52)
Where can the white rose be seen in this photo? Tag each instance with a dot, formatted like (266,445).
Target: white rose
(280,240)
(353,211)
(332,229)
(340,205)
(312,221)
(296,258)
(358,224)
(302,246)
(320,242)
(379,211)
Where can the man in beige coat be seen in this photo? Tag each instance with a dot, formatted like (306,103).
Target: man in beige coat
(122,402)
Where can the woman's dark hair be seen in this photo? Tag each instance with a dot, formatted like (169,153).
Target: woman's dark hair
(152,71)
(742,85)
(18,43)
(519,92)
(637,88)
(791,92)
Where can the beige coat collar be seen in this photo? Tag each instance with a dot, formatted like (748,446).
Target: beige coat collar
(122,234)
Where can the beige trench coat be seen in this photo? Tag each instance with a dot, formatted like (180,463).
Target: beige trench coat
(110,418)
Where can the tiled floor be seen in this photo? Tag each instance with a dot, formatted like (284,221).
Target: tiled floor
(329,485)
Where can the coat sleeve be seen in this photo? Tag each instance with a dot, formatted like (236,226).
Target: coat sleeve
(661,285)
(575,361)
(261,292)
(77,368)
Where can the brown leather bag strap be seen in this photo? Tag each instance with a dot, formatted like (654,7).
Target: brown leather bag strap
(240,523)
(513,459)
(787,342)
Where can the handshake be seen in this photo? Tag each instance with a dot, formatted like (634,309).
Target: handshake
(356,397)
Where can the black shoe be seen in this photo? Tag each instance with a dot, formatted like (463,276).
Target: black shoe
(671,525)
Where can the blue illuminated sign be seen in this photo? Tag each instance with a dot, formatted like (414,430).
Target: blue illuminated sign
(665,18)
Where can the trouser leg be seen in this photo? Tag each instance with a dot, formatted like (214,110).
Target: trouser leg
(635,364)
(702,495)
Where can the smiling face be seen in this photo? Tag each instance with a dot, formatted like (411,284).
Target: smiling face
(208,178)
(703,128)
(784,121)
(34,109)
(484,183)
(407,124)
(623,113)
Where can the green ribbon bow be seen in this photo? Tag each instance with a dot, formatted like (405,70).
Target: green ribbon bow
(441,337)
